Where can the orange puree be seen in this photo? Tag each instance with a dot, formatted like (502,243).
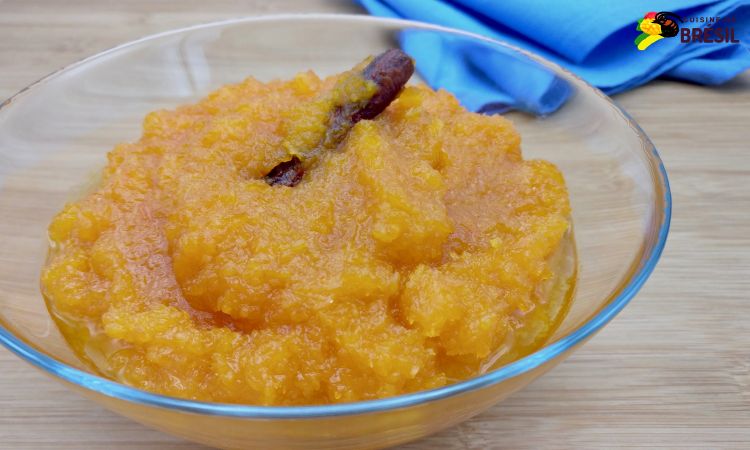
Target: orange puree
(418,252)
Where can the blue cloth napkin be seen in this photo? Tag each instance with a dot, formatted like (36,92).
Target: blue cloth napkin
(593,39)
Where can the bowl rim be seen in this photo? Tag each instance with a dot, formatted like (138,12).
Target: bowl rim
(547,353)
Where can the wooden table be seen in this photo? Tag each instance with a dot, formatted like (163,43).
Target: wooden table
(672,371)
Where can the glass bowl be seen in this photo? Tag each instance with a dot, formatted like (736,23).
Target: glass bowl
(56,132)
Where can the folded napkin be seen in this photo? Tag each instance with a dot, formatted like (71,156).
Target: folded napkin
(593,39)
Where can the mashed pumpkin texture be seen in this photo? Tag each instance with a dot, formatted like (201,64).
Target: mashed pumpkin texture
(415,254)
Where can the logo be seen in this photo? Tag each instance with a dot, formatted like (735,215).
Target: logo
(656,26)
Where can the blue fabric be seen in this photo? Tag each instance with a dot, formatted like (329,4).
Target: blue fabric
(593,39)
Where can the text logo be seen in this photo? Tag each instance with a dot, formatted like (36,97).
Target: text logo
(656,26)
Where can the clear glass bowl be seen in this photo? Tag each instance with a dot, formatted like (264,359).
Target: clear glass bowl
(56,132)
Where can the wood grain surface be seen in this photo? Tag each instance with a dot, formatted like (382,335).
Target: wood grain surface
(671,371)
